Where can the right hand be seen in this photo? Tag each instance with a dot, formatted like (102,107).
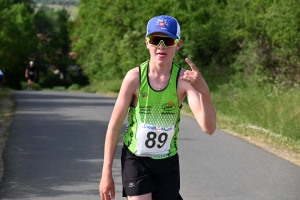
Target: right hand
(107,188)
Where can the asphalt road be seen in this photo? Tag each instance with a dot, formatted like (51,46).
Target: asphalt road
(55,151)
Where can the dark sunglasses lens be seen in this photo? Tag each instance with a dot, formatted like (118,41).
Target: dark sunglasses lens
(169,41)
(155,40)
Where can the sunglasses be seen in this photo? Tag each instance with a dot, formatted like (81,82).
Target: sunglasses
(155,40)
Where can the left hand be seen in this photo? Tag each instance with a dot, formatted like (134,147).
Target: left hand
(195,78)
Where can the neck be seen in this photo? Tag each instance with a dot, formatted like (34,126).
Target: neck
(159,68)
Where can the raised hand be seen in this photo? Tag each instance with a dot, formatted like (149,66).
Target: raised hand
(195,78)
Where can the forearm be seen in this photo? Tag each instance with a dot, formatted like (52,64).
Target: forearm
(111,141)
(207,115)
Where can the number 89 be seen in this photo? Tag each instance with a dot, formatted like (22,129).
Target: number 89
(150,142)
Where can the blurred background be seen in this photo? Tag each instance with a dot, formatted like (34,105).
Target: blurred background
(247,51)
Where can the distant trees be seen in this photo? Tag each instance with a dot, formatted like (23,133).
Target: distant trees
(222,37)
(17,40)
(58,2)
(57,66)
(42,37)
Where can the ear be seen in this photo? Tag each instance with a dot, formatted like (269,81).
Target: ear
(179,44)
(147,43)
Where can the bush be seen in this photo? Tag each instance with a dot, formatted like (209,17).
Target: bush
(74,86)
(36,86)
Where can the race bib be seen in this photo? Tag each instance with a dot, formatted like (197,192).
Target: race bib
(153,140)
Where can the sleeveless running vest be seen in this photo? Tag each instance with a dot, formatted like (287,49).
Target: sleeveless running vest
(153,124)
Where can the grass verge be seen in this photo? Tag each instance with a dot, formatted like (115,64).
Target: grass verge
(264,116)
(6,112)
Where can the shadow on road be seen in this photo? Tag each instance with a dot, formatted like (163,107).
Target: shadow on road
(55,148)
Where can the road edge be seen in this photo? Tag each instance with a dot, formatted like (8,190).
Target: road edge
(6,113)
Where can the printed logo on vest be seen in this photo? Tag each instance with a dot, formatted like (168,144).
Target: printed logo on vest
(158,128)
(144,94)
(168,108)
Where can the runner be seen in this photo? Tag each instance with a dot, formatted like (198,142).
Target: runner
(30,74)
(154,93)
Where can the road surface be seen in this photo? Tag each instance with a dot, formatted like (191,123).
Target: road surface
(55,151)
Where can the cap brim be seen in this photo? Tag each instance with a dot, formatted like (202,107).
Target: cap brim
(162,31)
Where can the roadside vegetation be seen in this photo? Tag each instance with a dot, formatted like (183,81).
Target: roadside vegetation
(39,34)
(247,51)
(6,113)
(6,109)
(266,116)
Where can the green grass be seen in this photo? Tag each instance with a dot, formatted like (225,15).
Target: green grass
(6,108)
(264,114)
(261,111)
(110,88)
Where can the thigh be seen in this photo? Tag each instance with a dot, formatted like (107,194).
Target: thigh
(168,182)
(141,197)
(136,177)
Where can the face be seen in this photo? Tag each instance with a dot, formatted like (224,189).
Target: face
(160,54)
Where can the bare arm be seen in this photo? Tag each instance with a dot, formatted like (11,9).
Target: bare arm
(26,73)
(113,131)
(203,110)
(199,99)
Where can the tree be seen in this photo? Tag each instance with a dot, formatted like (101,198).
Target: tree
(17,41)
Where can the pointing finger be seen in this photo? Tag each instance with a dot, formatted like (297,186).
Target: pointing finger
(191,64)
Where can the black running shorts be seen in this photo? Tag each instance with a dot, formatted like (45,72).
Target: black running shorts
(142,175)
(31,78)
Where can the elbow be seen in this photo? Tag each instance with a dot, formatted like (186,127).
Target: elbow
(210,130)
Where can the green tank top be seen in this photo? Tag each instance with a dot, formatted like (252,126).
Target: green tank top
(153,124)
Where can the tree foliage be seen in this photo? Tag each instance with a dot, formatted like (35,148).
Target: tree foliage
(41,36)
(222,37)
(17,39)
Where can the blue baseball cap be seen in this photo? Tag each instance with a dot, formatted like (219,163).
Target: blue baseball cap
(164,24)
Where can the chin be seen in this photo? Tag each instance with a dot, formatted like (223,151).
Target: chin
(161,62)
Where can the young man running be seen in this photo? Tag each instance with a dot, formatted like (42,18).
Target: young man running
(154,93)
(30,74)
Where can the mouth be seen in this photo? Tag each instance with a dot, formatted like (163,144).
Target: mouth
(161,54)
